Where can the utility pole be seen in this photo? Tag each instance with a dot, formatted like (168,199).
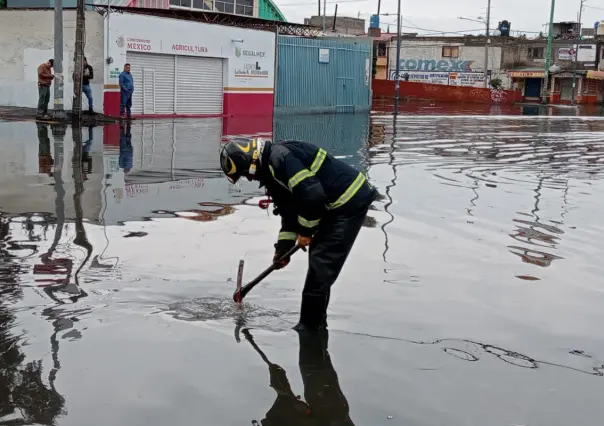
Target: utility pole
(548,56)
(486,46)
(398,57)
(572,102)
(324,7)
(78,63)
(59,112)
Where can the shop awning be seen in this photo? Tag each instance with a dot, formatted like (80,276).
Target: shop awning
(527,74)
(595,75)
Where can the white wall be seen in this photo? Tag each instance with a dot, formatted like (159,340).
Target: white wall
(28,40)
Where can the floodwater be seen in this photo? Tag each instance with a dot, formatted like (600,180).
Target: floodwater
(473,296)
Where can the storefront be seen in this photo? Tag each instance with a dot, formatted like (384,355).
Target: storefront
(184,68)
(530,82)
(596,80)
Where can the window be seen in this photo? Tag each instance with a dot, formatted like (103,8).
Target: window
(227,6)
(450,52)
(381,49)
(244,7)
(536,52)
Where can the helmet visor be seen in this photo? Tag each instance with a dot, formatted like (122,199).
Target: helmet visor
(228,166)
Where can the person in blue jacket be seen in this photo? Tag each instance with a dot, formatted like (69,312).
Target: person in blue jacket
(126,89)
(322,202)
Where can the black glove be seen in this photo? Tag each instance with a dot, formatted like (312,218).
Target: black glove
(281,248)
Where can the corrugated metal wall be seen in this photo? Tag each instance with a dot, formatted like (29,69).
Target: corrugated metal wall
(306,85)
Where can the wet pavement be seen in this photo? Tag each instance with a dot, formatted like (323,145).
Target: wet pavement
(472,297)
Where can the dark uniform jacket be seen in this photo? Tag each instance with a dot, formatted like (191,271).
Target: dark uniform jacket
(306,184)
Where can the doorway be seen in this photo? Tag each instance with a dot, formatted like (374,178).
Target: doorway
(532,88)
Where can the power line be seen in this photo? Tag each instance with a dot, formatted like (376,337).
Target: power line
(593,7)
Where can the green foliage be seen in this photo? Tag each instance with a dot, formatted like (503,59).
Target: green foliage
(496,83)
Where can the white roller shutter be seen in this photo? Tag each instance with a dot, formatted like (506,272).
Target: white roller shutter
(153,83)
(199,87)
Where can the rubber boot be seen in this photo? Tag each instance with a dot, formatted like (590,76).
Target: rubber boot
(312,313)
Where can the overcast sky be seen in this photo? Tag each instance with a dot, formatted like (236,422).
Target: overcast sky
(441,15)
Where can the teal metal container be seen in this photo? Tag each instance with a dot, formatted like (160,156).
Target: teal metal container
(316,75)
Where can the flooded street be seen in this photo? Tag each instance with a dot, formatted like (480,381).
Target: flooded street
(473,296)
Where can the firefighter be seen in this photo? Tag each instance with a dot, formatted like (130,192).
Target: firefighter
(322,202)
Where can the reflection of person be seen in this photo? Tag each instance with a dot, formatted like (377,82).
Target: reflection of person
(325,403)
(322,202)
(126,150)
(86,158)
(45,161)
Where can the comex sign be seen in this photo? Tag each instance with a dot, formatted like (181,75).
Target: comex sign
(432,65)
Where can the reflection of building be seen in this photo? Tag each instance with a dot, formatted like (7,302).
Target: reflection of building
(32,157)
(174,169)
(342,135)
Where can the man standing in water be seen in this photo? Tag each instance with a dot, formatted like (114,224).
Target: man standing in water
(322,202)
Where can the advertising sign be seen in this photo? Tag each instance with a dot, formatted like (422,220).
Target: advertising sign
(566,54)
(470,79)
(443,65)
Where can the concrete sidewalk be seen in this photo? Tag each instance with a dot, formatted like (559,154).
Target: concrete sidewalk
(9,113)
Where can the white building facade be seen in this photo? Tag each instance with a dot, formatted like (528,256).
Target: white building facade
(445,60)
(180,67)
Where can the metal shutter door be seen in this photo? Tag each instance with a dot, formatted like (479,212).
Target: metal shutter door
(153,83)
(199,85)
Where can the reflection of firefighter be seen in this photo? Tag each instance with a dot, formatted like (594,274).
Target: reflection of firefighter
(45,160)
(325,403)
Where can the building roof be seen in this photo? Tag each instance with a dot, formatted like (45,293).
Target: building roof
(284,28)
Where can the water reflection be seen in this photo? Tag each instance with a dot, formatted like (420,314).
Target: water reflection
(471,204)
(473,351)
(25,398)
(323,403)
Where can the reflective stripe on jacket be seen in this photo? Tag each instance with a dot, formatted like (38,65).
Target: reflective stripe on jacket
(305,182)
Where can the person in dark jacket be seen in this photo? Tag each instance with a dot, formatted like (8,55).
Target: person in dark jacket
(324,402)
(322,202)
(86,77)
(126,89)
